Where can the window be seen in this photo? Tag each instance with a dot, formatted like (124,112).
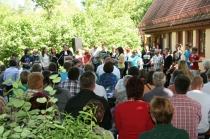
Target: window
(190,37)
(202,45)
(149,42)
(170,41)
(180,38)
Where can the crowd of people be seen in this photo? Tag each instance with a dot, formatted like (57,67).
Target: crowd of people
(156,93)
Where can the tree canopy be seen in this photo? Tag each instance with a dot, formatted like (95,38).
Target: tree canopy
(113,22)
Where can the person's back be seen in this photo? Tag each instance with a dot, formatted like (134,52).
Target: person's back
(165,132)
(11,72)
(132,117)
(100,91)
(129,113)
(206,86)
(72,85)
(159,80)
(203,98)
(161,112)
(76,103)
(63,96)
(97,109)
(108,80)
(187,112)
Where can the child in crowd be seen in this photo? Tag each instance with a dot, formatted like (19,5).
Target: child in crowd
(15,57)
(194,59)
(35,56)
(187,53)
(157,60)
(26,60)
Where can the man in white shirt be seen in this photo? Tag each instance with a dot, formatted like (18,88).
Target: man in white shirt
(131,71)
(206,87)
(100,69)
(99,90)
(203,98)
(95,57)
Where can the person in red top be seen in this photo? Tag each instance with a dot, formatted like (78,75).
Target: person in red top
(86,57)
(194,58)
(132,116)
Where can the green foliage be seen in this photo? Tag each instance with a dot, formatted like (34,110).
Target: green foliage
(43,124)
(47,5)
(113,22)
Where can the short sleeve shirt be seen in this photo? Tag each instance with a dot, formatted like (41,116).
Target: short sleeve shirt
(194,65)
(26,59)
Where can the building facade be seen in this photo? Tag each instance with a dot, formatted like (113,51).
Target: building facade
(170,22)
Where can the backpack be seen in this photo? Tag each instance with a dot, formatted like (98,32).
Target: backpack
(108,81)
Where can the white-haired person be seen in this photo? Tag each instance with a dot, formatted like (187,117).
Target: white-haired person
(206,65)
(159,80)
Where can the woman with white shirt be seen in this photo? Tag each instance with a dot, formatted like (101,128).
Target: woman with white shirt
(206,86)
(45,58)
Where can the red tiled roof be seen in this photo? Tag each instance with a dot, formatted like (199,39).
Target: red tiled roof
(166,13)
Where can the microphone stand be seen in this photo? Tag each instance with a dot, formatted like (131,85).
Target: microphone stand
(60,57)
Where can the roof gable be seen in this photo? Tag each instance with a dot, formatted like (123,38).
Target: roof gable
(164,13)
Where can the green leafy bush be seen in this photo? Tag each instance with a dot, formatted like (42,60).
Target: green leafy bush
(43,124)
(107,22)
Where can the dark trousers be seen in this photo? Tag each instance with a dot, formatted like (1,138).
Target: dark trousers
(121,72)
(168,77)
(96,66)
(126,68)
(1,92)
(9,88)
(147,68)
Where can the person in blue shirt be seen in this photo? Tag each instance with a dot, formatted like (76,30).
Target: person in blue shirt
(133,59)
(187,53)
(64,75)
(11,72)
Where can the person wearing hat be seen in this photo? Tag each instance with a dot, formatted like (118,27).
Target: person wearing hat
(35,83)
(65,52)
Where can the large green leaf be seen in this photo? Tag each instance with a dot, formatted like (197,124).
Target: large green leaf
(53,92)
(54,100)
(17,102)
(15,84)
(53,76)
(1,129)
(21,114)
(41,100)
(27,106)
(25,133)
(57,80)
(48,89)
(18,92)
(6,133)
(15,136)
(18,129)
